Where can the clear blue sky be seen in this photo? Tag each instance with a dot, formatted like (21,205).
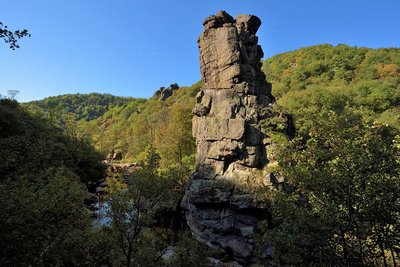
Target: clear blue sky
(131,48)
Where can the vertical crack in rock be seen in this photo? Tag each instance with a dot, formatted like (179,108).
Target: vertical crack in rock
(220,210)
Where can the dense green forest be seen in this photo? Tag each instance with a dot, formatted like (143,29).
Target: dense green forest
(325,77)
(44,174)
(339,205)
(83,106)
(128,125)
(47,173)
(166,125)
(342,169)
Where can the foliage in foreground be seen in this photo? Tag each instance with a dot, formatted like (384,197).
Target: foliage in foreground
(43,177)
(340,206)
(11,37)
(146,219)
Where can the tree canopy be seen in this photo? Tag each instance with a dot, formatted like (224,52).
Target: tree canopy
(11,37)
(44,177)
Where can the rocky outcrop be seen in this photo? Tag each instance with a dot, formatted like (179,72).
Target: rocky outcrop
(163,93)
(221,209)
(114,155)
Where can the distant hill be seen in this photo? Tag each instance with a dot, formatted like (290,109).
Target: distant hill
(84,106)
(331,65)
(325,77)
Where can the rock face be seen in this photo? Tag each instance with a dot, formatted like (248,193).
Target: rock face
(220,207)
(163,93)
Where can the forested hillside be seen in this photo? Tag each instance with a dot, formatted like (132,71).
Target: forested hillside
(342,169)
(320,78)
(127,125)
(132,128)
(83,106)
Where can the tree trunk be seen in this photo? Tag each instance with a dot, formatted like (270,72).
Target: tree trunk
(382,251)
(393,256)
(129,256)
(345,252)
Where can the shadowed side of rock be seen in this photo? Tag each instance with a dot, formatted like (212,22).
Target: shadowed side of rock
(220,207)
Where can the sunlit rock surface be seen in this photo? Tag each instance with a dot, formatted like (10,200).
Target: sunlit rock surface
(220,207)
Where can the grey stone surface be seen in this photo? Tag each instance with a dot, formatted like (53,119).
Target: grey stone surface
(230,144)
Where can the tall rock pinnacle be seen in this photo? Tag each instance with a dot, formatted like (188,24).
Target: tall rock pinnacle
(220,209)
